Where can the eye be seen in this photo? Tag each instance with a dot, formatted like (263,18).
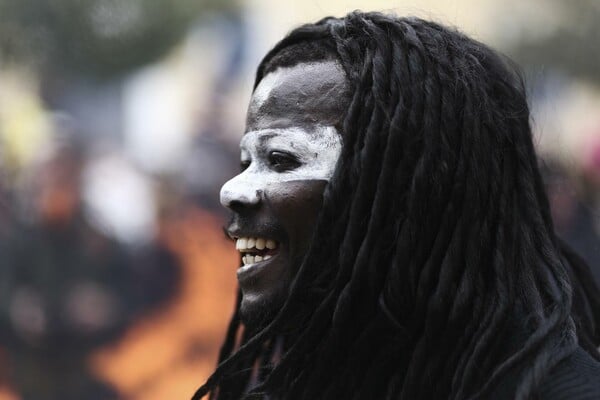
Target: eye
(282,161)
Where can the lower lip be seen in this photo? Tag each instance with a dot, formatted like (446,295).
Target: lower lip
(249,270)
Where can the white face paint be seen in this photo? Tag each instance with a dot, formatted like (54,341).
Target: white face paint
(290,121)
(281,155)
(263,90)
(288,154)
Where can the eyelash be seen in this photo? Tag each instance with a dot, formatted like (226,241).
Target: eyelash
(283,161)
(279,160)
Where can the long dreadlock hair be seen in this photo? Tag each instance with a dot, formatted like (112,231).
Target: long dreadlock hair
(447,274)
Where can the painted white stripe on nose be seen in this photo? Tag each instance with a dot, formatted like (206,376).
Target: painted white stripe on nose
(239,191)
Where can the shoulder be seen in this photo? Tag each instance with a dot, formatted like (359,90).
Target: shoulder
(577,377)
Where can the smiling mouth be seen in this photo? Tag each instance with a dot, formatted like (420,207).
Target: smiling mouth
(256,249)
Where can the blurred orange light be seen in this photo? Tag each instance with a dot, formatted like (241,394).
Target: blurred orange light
(168,354)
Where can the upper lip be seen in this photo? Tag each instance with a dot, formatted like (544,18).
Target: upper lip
(236,233)
(245,227)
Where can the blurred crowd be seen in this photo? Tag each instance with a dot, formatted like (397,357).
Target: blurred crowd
(116,280)
(74,287)
(96,251)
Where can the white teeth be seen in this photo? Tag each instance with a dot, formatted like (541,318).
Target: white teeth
(245,243)
(250,259)
(241,243)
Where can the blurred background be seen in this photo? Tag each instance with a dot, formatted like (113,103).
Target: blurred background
(120,120)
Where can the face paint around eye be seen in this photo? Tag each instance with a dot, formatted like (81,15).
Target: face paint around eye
(288,158)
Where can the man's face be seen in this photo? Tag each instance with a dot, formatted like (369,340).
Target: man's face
(288,154)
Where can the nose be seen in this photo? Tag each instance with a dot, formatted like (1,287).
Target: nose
(240,192)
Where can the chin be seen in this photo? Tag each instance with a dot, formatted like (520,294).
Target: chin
(257,311)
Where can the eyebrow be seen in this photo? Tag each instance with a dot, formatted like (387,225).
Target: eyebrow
(262,138)
(267,136)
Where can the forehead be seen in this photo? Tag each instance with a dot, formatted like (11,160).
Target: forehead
(305,95)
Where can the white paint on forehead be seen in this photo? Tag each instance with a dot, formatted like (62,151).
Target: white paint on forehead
(317,152)
(266,86)
(277,77)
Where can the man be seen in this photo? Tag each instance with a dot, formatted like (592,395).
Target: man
(395,238)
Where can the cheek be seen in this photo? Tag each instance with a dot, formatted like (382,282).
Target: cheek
(296,205)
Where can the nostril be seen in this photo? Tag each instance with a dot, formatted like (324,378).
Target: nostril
(238,206)
(244,204)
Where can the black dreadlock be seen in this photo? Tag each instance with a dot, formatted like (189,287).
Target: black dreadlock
(448,276)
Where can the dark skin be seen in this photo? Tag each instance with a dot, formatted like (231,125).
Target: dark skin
(302,96)
(289,151)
